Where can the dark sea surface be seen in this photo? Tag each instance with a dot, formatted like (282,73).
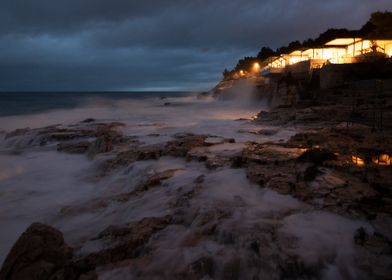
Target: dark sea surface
(22,103)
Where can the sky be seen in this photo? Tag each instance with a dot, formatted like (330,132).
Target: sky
(153,45)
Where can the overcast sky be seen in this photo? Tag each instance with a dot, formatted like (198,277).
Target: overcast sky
(153,44)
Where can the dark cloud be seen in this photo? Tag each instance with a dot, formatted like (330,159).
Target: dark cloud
(171,44)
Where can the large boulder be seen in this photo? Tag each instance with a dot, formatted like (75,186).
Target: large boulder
(39,253)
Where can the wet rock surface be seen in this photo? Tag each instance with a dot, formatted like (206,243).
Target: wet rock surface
(207,224)
(129,242)
(39,253)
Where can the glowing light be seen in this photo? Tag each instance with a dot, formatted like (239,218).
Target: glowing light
(242,73)
(342,41)
(386,46)
(256,67)
(383,159)
(358,161)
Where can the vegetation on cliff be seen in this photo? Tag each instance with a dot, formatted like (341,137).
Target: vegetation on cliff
(378,26)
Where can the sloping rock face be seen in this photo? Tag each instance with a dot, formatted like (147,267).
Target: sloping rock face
(39,253)
(129,244)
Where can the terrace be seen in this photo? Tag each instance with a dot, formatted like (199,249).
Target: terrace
(337,51)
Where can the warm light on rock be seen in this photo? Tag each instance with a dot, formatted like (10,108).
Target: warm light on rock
(382,159)
(358,161)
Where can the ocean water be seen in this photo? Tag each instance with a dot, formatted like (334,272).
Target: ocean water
(22,103)
(37,183)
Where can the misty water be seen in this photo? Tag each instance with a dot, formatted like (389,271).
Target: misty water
(38,183)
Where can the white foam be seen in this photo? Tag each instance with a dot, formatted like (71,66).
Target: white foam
(325,238)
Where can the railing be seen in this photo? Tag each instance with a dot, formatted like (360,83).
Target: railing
(271,70)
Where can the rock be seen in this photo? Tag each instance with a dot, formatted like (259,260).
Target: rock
(114,125)
(199,179)
(123,158)
(74,148)
(68,137)
(183,144)
(282,185)
(237,162)
(217,162)
(149,182)
(66,134)
(214,140)
(263,173)
(149,152)
(202,267)
(360,236)
(304,192)
(217,155)
(153,135)
(106,139)
(102,144)
(88,120)
(210,216)
(133,153)
(133,238)
(17,132)
(267,132)
(231,269)
(156,179)
(269,154)
(375,243)
(86,276)
(383,225)
(39,253)
(259,174)
(317,156)
(292,267)
(311,173)
(198,154)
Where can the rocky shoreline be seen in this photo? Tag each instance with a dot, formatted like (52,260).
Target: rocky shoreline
(315,168)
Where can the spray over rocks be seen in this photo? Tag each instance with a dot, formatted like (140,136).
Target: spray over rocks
(202,193)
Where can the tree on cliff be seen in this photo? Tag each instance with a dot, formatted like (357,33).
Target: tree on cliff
(379,25)
(290,48)
(246,63)
(265,53)
(227,75)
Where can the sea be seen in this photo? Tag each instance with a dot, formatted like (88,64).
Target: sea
(22,103)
